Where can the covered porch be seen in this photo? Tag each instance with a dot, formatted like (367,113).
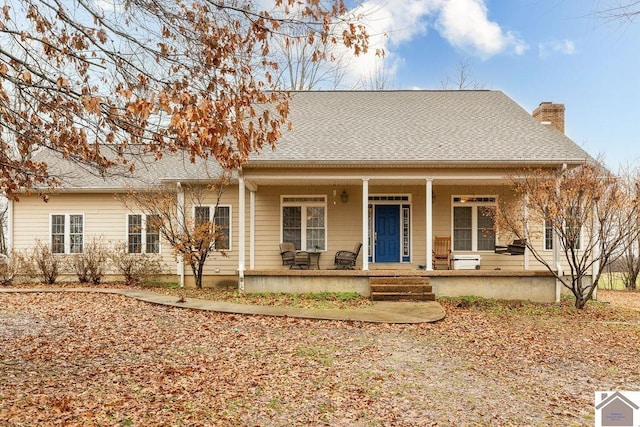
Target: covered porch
(395,217)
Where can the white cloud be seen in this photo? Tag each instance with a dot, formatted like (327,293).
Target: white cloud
(560,47)
(463,23)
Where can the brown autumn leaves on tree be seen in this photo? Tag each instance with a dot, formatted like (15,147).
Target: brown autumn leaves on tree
(592,214)
(97,82)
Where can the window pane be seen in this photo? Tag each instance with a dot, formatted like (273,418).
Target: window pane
(486,233)
(75,234)
(202,214)
(315,228)
(75,243)
(222,220)
(462,228)
(135,234)
(57,234)
(548,234)
(405,231)
(292,225)
(153,234)
(573,227)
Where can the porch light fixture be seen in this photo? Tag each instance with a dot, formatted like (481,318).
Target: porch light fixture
(344,196)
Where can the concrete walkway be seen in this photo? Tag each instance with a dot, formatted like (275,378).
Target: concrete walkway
(379,312)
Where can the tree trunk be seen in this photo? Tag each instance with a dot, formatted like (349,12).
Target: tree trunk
(196,270)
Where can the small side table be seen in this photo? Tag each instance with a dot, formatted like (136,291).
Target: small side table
(314,260)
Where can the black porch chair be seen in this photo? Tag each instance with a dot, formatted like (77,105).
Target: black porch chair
(347,259)
(292,257)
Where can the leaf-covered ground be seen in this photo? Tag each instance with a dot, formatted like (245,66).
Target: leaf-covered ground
(89,359)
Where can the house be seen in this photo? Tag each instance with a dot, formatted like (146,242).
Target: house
(389,169)
(615,409)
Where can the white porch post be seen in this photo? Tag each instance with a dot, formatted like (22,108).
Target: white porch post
(365,224)
(429,221)
(526,230)
(9,237)
(252,228)
(241,231)
(181,220)
(595,268)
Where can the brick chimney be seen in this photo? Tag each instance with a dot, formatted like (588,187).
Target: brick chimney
(548,112)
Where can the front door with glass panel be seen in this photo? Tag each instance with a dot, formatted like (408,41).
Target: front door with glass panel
(387,233)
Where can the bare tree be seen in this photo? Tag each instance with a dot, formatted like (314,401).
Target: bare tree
(91,79)
(619,10)
(379,78)
(586,211)
(462,80)
(193,239)
(629,262)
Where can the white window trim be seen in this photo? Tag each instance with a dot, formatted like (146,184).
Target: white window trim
(211,212)
(143,249)
(544,244)
(305,204)
(474,220)
(67,232)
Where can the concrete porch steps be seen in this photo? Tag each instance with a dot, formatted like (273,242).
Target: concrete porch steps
(401,289)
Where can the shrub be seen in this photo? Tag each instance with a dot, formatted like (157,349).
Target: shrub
(45,264)
(10,266)
(135,268)
(89,266)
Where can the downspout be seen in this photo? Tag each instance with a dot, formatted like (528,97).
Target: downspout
(429,220)
(180,214)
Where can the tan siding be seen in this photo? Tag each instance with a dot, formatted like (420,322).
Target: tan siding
(104,216)
(218,264)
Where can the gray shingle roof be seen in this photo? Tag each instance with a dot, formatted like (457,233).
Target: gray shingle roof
(373,127)
(416,127)
(171,167)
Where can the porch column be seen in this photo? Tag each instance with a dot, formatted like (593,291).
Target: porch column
(9,236)
(241,232)
(556,252)
(181,220)
(595,268)
(429,222)
(365,223)
(252,228)
(526,230)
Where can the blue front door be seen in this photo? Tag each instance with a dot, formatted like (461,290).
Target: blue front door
(387,229)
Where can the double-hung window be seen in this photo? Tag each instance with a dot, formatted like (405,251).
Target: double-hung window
(304,222)
(473,223)
(221,217)
(571,230)
(67,233)
(143,234)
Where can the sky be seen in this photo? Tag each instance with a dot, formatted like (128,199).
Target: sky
(533,50)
